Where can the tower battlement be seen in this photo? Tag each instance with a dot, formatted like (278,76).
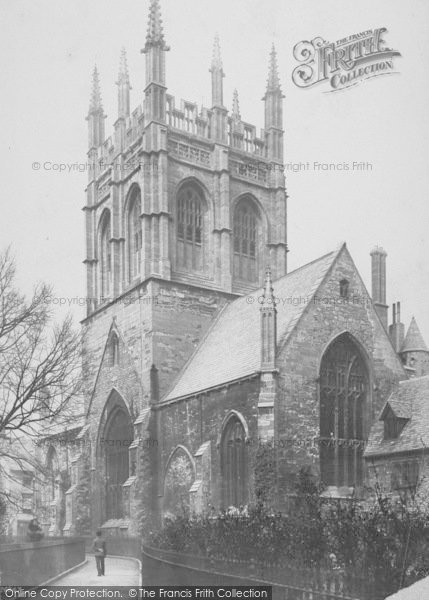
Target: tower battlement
(196,125)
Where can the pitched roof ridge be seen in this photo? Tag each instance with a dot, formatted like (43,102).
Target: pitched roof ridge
(335,252)
(191,378)
(196,349)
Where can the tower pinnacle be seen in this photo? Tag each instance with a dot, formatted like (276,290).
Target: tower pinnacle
(154,51)
(124,86)
(274,111)
(216,70)
(236,107)
(216,59)
(155,33)
(96,114)
(273,82)
(95,104)
(123,75)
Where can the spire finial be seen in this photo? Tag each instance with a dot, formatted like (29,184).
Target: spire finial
(95,104)
(273,83)
(236,107)
(268,287)
(216,58)
(123,75)
(155,33)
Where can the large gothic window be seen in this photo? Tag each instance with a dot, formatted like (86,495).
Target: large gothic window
(106,256)
(343,396)
(135,236)
(116,442)
(190,228)
(234,463)
(246,223)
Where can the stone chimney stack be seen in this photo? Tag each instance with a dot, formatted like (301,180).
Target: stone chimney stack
(378,271)
(397,329)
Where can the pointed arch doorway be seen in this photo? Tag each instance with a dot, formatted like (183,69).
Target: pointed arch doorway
(116,436)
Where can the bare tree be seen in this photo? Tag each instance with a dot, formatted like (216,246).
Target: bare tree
(39,360)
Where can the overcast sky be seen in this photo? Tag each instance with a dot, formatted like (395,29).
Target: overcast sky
(47,53)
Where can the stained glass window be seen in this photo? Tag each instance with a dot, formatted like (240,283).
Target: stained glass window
(190,228)
(245,241)
(343,393)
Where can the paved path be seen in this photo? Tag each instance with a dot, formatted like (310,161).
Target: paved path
(119,571)
(417,591)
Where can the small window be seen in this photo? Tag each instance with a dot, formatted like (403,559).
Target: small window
(344,288)
(114,350)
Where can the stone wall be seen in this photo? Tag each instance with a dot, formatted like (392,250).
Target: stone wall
(196,421)
(299,359)
(34,563)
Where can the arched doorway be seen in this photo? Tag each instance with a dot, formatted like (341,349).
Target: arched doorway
(234,463)
(117,440)
(344,388)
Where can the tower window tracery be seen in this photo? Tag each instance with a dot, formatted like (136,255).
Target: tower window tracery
(246,226)
(135,236)
(106,256)
(190,228)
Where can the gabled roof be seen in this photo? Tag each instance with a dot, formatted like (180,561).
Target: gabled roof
(410,400)
(231,349)
(414,339)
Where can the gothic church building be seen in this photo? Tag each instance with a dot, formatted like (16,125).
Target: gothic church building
(195,353)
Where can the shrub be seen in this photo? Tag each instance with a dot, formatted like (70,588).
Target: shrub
(384,542)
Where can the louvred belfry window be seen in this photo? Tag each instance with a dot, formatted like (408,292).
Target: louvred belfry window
(135,237)
(245,242)
(106,257)
(190,219)
(343,397)
(234,464)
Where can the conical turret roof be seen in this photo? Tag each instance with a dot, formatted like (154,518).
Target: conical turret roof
(413,340)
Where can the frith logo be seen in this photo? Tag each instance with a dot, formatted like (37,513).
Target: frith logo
(343,63)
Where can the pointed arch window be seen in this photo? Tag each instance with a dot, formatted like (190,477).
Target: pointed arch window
(246,230)
(344,288)
(117,439)
(135,236)
(343,399)
(234,463)
(106,256)
(190,222)
(114,349)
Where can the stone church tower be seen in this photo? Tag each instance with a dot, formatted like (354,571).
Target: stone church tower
(200,350)
(185,207)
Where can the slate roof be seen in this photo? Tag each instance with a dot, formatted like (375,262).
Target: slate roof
(414,339)
(231,349)
(409,400)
